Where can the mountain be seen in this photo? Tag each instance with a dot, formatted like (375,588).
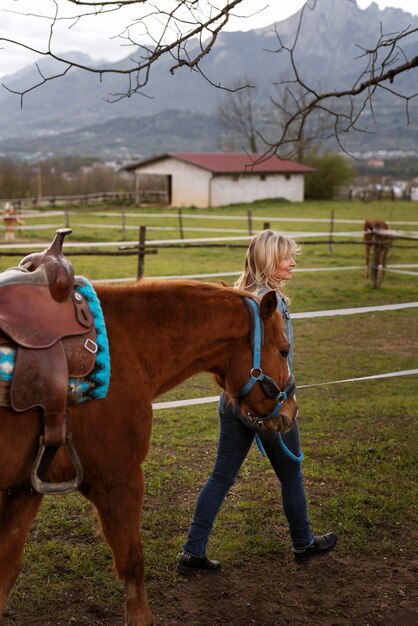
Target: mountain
(178,112)
(124,138)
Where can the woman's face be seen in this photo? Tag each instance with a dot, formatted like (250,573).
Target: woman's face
(284,268)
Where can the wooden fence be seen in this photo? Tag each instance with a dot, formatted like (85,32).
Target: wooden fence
(83,198)
(142,248)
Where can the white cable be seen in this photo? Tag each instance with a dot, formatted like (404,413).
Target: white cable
(194,401)
(354,311)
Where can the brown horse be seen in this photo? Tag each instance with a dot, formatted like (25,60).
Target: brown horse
(375,236)
(160,333)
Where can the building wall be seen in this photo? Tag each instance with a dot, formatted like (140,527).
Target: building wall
(227,189)
(189,184)
(192,186)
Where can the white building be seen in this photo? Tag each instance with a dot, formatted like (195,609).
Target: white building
(209,179)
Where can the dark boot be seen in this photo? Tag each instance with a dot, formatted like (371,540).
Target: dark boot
(187,564)
(321,545)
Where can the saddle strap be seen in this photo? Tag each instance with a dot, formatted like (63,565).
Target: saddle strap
(40,380)
(55,429)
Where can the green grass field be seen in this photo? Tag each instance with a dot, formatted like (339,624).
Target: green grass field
(359,438)
(92,224)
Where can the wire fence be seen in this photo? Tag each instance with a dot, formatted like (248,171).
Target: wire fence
(143,247)
(175,404)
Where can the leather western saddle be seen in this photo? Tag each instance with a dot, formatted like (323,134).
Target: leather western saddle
(53,330)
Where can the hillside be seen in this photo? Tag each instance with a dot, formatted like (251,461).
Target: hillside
(124,138)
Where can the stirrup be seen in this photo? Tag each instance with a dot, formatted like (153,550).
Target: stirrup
(56,488)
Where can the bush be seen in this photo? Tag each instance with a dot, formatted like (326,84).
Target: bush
(332,171)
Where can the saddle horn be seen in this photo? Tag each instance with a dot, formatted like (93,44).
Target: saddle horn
(59,270)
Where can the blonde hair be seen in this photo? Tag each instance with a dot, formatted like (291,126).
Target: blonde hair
(266,250)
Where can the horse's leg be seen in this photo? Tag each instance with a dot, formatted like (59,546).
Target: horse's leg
(367,260)
(17,512)
(119,505)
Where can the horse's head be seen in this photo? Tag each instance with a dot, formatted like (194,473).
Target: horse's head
(261,381)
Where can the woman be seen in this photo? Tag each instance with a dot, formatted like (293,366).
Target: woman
(268,265)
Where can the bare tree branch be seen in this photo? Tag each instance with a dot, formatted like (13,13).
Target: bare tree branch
(186,21)
(239,115)
(343,107)
(42,82)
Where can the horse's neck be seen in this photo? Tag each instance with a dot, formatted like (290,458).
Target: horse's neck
(173,334)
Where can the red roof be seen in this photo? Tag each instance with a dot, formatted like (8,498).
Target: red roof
(232,163)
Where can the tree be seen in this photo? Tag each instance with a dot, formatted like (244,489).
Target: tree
(188,30)
(332,171)
(65,176)
(254,123)
(342,109)
(239,114)
(303,139)
(12,178)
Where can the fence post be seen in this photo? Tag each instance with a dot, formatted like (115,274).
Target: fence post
(67,218)
(141,252)
(266,225)
(373,260)
(331,230)
(123,224)
(181,224)
(19,214)
(250,223)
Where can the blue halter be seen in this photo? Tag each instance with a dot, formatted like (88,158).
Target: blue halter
(269,386)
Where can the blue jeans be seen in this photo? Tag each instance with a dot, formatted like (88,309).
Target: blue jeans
(235,439)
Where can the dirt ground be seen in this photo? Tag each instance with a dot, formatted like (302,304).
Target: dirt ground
(329,591)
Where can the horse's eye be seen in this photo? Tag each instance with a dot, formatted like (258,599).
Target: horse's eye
(284,353)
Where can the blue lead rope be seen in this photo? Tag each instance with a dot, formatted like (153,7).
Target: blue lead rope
(283,446)
(289,453)
(260,445)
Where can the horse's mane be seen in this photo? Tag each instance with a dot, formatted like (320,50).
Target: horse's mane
(176,286)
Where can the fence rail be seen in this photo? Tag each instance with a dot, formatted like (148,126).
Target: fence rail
(141,248)
(175,404)
(82,198)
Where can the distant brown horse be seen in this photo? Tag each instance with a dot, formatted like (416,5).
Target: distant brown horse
(160,333)
(374,233)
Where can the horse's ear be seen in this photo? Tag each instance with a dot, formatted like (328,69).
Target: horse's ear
(268,304)
(223,283)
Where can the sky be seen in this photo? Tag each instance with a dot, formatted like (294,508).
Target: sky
(97,35)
